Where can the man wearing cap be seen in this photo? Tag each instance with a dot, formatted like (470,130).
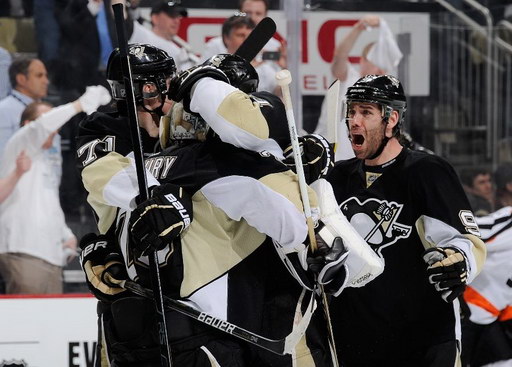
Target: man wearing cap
(165,21)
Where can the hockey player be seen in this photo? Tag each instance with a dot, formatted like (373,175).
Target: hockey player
(411,209)
(256,121)
(221,226)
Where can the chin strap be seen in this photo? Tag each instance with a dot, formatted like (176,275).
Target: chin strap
(157,110)
(381,148)
(382,143)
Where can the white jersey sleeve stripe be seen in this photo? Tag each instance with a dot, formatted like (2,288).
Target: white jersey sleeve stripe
(267,210)
(243,126)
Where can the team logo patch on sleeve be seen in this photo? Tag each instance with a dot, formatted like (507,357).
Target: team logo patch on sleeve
(468,221)
(376,221)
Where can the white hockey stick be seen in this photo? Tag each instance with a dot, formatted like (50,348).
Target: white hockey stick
(284,79)
(333,112)
(281,346)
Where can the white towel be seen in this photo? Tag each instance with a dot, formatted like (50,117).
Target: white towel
(385,52)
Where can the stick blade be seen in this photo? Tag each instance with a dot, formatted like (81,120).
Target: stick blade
(333,111)
(257,39)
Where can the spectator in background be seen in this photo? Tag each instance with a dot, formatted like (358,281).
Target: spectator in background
(503,182)
(487,331)
(29,79)
(274,50)
(5,62)
(344,71)
(8,183)
(165,21)
(47,32)
(477,184)
(35,241)
(235,30)
(256,10)
(87,39)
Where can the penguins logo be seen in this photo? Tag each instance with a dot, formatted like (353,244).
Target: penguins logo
(13,363)
(376,221)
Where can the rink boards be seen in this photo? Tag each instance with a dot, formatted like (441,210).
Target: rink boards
(44,331)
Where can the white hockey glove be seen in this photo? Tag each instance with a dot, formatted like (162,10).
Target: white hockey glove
(447,271)
(362,263)
(98,258)
(94,97)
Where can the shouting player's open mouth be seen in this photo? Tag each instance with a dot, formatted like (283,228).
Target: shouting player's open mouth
(357,139)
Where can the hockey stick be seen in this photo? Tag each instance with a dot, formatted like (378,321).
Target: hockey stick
(333,112)
(183,44)
(281,346)
(257,39)
(284,79)
(165,352)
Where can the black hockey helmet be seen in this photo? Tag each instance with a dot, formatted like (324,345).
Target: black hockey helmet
(150,66)
(385,90)
(240,72)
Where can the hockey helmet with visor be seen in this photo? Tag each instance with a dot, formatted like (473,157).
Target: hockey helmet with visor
(240,72)
(151,68)
(383,90)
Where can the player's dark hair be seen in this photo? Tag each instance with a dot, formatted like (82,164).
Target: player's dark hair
(30,112)
(19,66)
(236,21)
(241,3)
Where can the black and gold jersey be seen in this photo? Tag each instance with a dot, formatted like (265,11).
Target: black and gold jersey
(400,208)
(224,263)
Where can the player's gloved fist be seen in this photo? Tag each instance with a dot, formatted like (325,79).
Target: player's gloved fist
(94,97)
(103,266)
(182,83)
(327,263)
(157,221)
(317,156)
(447,271)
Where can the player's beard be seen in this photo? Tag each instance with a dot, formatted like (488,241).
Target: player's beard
(373,139)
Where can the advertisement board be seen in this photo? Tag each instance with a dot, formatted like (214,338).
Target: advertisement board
(49,331)
(321,32)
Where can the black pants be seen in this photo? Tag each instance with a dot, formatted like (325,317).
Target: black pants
(128,338)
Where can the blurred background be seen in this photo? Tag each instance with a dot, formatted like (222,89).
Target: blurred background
(456,69)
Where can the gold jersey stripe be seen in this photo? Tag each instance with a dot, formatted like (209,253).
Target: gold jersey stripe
(238,109)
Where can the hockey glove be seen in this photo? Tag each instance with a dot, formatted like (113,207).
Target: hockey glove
(447,271)
(181,85)
(157,221)
(94,97)
(327,263)
(317,157)
(98,258)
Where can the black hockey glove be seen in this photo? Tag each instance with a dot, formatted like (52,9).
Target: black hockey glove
(99,257)
(447,271)
(157,221)
(317,157)
(182,83)
(327,264)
